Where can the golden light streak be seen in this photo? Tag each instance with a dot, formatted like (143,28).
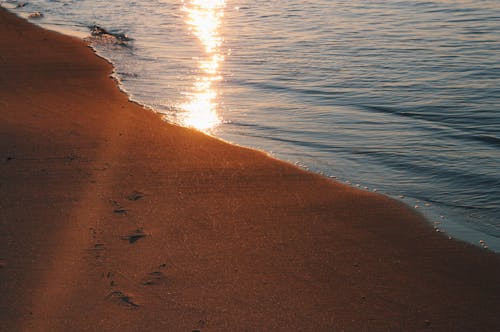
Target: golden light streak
(204,20)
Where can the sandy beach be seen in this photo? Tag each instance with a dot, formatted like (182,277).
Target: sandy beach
(114,220)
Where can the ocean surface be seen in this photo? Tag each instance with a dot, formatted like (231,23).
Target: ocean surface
(399,97)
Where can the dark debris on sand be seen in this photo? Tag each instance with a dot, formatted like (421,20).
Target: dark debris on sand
(106,36)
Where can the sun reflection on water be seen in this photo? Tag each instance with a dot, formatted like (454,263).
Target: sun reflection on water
(204,19)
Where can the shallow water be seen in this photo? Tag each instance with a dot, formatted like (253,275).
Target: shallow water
(401,97)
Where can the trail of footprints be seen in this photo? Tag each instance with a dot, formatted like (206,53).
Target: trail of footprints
(155,277)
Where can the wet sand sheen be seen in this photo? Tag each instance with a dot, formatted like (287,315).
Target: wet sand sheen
(114,220)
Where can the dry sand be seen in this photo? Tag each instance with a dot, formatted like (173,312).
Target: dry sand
(113,220)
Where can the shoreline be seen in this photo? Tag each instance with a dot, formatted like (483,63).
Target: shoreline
(116,220)
(443,219)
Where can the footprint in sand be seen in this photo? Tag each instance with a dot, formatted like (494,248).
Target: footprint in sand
(118,207)
(134,236)
(154,278)
(135,196)
(121,298)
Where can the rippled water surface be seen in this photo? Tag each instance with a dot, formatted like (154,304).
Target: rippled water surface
(401,97)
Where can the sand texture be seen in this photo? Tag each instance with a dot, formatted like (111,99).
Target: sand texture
(113,220)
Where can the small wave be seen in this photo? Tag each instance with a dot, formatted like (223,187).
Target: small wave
(487,139)
(266,129)
(124,74)
(481,138)
(442,115)
(285,88)
(270,133)
(396,111)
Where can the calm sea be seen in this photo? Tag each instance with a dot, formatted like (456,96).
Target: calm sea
(402,97)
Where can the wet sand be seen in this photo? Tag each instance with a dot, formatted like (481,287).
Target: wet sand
(113,220)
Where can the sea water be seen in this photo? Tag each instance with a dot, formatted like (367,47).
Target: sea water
(399,97)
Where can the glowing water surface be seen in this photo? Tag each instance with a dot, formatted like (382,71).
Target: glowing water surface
(204,20)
